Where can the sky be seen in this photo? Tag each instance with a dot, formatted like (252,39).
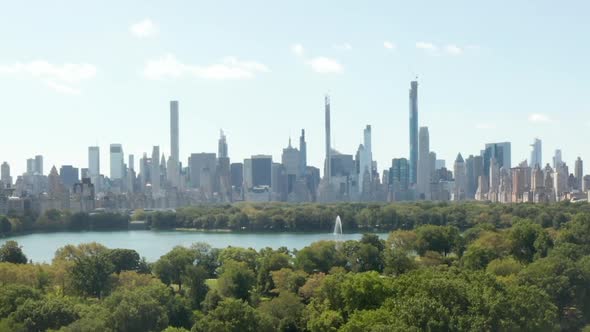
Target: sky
(81,73)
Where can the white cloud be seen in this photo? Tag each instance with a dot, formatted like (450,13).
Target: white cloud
(539,118)
(343,47)
(429,47)
(325,65)
(297,49)
(230,68)
(389,45)
(60,78)
(144,29)
(453,50)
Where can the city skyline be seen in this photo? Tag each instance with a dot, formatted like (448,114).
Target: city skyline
(478,82)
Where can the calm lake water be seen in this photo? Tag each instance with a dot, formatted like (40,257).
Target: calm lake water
(152,244)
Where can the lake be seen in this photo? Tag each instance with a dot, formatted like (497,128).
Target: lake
(41,247)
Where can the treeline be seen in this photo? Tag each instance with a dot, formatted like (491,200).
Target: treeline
(283,217)
(63,220)
(522,275)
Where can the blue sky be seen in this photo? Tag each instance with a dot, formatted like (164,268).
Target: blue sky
(80,73)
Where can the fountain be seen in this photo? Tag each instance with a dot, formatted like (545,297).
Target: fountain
(338,229)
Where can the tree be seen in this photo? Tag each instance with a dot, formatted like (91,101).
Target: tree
(195,278)
(51,312)
(90,275)
(236,280)
(11,252)
(231,315)
(123,259)
(286,311)
(14,295)
(170,268)
(442,239)
(136,310)
(270,260)
(529,241)
(319,257)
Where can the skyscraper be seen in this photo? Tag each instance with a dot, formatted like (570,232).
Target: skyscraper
(557,159)
(579,172)
(222,145)
(327,166)
(69,176)
(261,170)
(30,166)
(501,152)
(93,161)
(117,161)
(5,174)
(303,153)
(38,165)
(155,171)
(460,178)
(413,132)
(174,131)
(536,154)
(366,159)
(424,170)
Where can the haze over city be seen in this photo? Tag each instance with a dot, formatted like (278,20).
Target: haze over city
(71,81)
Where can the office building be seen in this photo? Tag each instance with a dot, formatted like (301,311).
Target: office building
(460,179)
(202,166)
(94,161)
(536,154)
(328,158)
(557,159)
(261,170)
(579,173)
(117,162)
(303,153)
(5,177)
(413,132)
(501,152)
(69,176)
(424,171)
(237,175)
(38,165)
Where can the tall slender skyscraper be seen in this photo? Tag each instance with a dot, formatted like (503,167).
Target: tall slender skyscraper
(366,159)
(39,164)
(222,145)
(93,161)
(579,172)
(413,131)
(117,162)
(155,168)
(328,162)
(557,159)
(536,154)
(174,131)
(424,170)
(303,152)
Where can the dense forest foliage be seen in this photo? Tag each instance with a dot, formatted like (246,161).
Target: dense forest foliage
(282,217)
(468,267)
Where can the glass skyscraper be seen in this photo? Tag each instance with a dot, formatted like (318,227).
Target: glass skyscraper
(413,131)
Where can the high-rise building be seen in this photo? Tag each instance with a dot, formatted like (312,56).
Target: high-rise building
(202,167)
(366,160)
(69,175)
(247,174)
(460,178)
(5,177)
(30,166)
(399,179)
(222,146)
(413,132)
(579,173)
(536,154)
(38,165)
(174,149)
(303,152)
(501,152)
(424,171)
(292,165)
(328,158)
(557,159)
(261,170)
(156,170)
(237,175)
(131,163)
(117,162)
(93,161)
